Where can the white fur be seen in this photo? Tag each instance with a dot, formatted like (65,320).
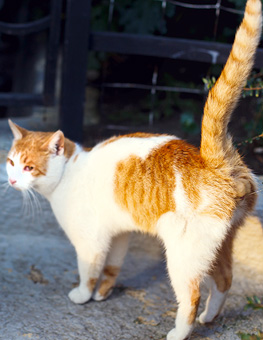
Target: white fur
(81,193)
(16,172)
(190,246)
(214,303)
(115,258)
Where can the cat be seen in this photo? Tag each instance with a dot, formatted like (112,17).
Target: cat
(192,199)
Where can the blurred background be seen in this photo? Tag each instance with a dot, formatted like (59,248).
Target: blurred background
(103,67)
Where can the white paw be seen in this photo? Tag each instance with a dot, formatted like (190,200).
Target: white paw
(171,335)
(174,335)
(98,297)
(205,318)
(79,295)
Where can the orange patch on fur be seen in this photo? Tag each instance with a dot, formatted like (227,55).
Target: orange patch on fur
(87,149)
(69,148)
(111,273)
(33,151)
(145,187)
(92,284)
(105,287)
(195,299)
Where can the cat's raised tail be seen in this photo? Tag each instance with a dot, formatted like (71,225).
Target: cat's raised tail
(223,97)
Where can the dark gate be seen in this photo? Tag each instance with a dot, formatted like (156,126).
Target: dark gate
(79,39)
(52,23)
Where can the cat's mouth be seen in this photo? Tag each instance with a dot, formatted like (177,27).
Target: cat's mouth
(15,185)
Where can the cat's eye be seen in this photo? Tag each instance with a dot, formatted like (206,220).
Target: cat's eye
(10,161)
(28,168)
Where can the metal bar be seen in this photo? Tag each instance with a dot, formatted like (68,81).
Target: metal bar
(217,18)
(110,15)
(212,6)
(153,87)
(174,48)
(26,28)
(75,57)
(20,99)
(52,53)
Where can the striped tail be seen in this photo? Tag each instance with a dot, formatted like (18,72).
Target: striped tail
(223,97)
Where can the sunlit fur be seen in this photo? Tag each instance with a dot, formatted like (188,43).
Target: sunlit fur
(192,199)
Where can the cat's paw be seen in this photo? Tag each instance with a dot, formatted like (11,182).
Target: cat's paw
(98,297)
(174,335)
(205,318)
(79,295)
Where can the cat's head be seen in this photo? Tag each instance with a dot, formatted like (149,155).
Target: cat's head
(35,160)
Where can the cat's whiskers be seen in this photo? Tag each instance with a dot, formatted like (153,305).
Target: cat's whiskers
(258,192)
(5,186)
(27,204)
(35,201)
(31,205)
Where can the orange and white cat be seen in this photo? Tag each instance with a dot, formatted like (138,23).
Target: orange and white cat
(193,200)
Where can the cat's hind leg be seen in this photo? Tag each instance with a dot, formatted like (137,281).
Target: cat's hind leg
(190,249)
(214,302)
(185,280)
(112,267)
(219,281)
(188,295)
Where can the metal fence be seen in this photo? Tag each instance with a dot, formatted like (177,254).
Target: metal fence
(52,23)
(79,39)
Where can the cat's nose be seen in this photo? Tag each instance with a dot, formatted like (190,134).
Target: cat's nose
(12,181)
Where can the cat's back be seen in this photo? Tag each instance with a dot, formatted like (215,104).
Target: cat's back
(145,176)
(140,144)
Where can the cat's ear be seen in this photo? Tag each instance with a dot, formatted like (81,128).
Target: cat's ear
(56,143)
(18,132)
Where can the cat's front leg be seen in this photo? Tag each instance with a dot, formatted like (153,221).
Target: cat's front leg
(112,266)
(90,264)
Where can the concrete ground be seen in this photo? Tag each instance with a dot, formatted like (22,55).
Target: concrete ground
(38,268)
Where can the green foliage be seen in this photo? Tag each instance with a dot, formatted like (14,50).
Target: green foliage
(99,15)
(239,4)
(188,123)
(209,82)
(254,302)
(253,88)
(254,127)
(132,16)
(129,113)
(143,17)
(246,336)
(174,101)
